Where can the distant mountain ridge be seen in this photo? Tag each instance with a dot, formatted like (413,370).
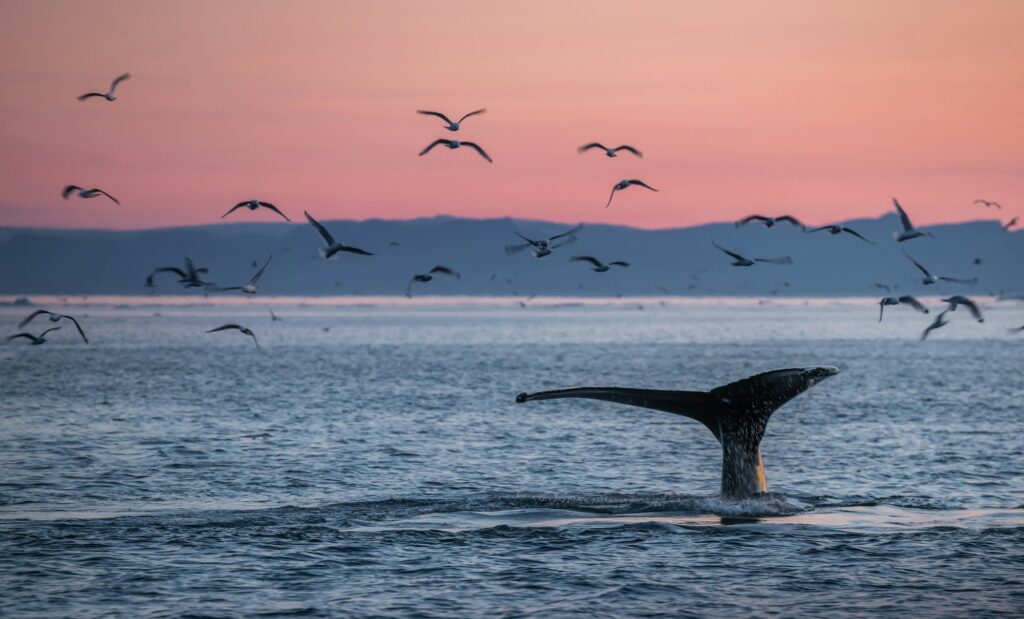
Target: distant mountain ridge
(681,260)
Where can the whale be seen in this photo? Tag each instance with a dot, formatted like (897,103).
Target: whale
(736,414)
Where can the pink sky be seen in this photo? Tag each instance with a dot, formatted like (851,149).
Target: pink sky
(820,110)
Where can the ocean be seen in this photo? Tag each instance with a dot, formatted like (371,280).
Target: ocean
(369,460)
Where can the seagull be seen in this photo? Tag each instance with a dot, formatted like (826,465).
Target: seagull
(274,317)
(1010,224)
(543,247)
(957,300)
(626,183)
(422,278)
(834,230)
(740,261)
(598,266)
(452,126)
(940,321)
(109,95)
(610,152)
(770,221)
(884,287)
(54,317)
(250,288)
(989,203)
(36,340)
(930,279)
(905,299)
(333,247)
(252,205)
(240,328)
(87,193)
(909,231)
(453,144)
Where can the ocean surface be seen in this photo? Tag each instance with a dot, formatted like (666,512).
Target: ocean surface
(368,460)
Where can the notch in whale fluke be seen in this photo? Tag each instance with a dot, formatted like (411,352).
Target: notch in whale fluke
(736,414)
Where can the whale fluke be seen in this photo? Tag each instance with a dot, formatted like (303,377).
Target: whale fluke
(736,414)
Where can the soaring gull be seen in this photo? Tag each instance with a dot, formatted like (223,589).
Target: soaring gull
(610,152)
(422,278)
(109,95)
(989,203)
(543,247)
(740,261)
(252,205)
(909,231)
(769,222)
(905,299)
(87,193)
(54,317)
(453,144)
(36,339)
(957,300)
(930,279)
(834,230)
(333,247)
(619,186)
(239,328)
(452,126)
(940,321)
(598,266)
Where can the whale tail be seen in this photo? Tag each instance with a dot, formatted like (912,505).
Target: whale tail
(736,414)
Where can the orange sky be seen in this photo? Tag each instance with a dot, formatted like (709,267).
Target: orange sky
(822,110)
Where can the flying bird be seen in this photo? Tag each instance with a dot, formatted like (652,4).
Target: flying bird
(770,222)
(543,247)
(252,205)
(909,231)
(940,321)
(610,152)
(239,328)
(422,278)
(1010,224)
(87,193)
(597,265)
(453,144)
(740,261)
(989,203)
(626,183)
(834,230)
(452,126)
(109,95)
(54,317)
(884,287)
(333,247)
(36,339)
(274,317)
(957,300)
(905,299)
(930,279)
(250,288)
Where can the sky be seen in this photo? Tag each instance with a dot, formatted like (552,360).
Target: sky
(822,110)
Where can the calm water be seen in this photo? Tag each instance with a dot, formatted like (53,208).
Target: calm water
(381,468)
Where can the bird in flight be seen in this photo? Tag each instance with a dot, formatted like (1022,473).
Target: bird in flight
(190,275)
(453,144)
(940,321)
(422,278)
(909,231)
(274,317)
(87,193)
(252,205)
(452,126)
(769,222)
(619,186)
(109,95)
(834,230)
(597,266)
(610,152)
(36,339)
(54,317)
(905,299)
(239,328)
(543,247)
(930,279)
(957,300)
(250,288)
(740,261)
(989,203)
(1010,224)
(333,247)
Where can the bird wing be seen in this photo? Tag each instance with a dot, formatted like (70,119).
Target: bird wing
(612,195)
(528,240)
(445,270)
(790,219)
(408,289)
(354,250)
(592,260)
(68,190)
(25,335)
(438,114)
(77,326)
(985,202)
(273,208)
(914,303)
(28,319)
(91,94)
(1010,224)
(904,220)
(618,263)
(473,113)
(515,249)
(43,334)
(881,309)
(433,144)
(782,260)
(568,241)
(324,234)
(120,78)
(747,220)
(259,274)
(997,205)
(586,147)
(957,280)
(636,181)
(174,270)
(115,200)
(226,327)
(630,149)
(856,234)
(938,322)
(975,311)
(918,265)
(817,229)
(233,209)
(477,148)
(734,255)
(567,233)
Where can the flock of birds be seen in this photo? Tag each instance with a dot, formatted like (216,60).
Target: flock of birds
(193,277)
